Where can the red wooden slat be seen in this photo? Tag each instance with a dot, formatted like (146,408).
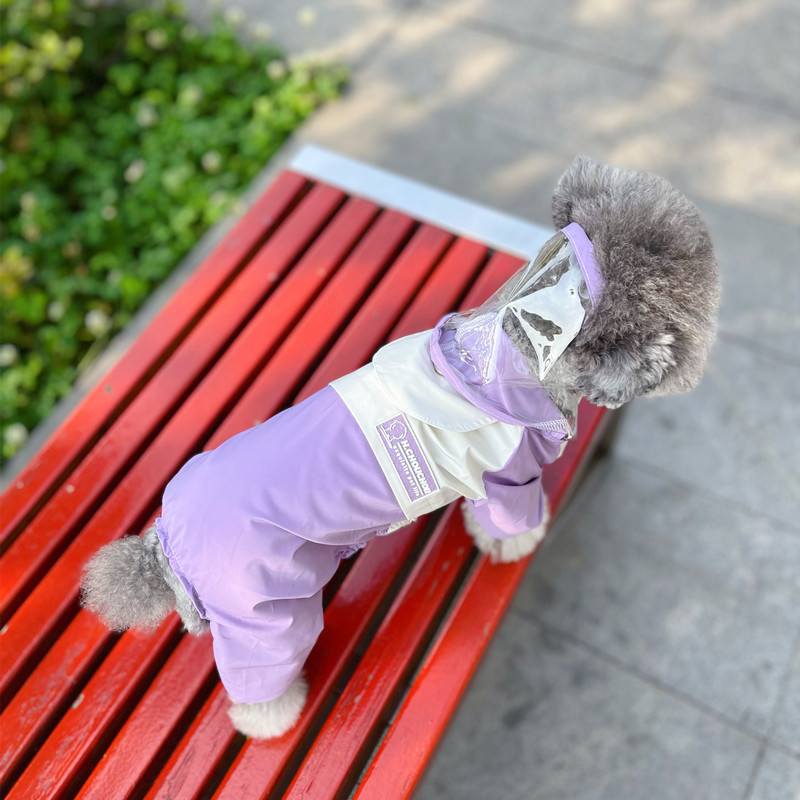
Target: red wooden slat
(199,754)
(52,770)
(70,442)
(263,330)
(334,760)
(420,722)
(129,500)
(151,724)
(38,545)
(46,693)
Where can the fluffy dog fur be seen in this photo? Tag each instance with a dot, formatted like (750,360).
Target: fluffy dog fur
(649,334)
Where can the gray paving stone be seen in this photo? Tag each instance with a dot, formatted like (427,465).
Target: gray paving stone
(778,778)
(786,727)
(761,293)
(496,166)
(736,436)
(545,720)
(437,77)
(637,33)
(700,596)
(339,30)
(749,47)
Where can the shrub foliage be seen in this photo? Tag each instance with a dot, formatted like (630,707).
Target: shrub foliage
(124,133)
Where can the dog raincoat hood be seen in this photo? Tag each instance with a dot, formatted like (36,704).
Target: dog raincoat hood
(498,354)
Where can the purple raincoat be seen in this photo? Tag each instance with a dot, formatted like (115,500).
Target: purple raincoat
(255,528)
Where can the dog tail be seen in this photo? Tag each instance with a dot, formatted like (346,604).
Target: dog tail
(125,585)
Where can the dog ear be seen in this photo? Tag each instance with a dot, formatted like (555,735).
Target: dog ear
(616,374)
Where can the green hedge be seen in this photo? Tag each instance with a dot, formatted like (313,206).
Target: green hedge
(124,135)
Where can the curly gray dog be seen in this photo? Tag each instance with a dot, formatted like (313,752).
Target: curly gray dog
(621,302)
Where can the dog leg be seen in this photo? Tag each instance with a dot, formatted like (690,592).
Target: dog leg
(272,718)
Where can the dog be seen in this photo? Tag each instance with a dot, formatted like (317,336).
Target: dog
(621,302)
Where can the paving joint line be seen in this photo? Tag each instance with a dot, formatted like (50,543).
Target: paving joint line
(767,739)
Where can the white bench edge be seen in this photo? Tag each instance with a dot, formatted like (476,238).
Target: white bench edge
(498,230)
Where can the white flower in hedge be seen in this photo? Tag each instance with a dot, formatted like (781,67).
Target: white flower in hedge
(219,197)
(146,116)
(72,249)
(55,310)
(307,16)
(276,69)
(31,232)
(234,17)
(301,71)
(35,73)
(135,170)
(262,107)
(27,202)
(8,355)
(15,87)
(189,32)
(15,435)
(262,31)
(97,322)
(108,212)
(190,96)
(211,162)
(156,38)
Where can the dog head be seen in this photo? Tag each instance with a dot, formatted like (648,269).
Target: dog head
(651,331)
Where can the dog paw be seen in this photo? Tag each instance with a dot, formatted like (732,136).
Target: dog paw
(272,718)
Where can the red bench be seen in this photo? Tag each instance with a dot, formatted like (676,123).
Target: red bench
(304,289)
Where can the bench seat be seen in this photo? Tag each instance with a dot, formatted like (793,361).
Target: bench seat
(307,285)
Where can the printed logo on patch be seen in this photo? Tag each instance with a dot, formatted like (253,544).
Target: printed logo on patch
(407,457)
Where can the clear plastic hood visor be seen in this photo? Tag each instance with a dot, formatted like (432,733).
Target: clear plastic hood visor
(502,350)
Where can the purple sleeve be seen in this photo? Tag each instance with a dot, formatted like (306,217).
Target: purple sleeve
(256,668)
(514,501)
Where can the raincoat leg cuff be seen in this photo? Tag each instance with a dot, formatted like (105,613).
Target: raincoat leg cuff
(504,551)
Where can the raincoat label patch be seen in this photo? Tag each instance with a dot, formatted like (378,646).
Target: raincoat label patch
(407,457)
